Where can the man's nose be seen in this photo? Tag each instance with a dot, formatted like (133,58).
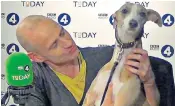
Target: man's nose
(133,23)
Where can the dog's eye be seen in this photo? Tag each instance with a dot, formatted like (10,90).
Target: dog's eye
(124,11)
(142,14)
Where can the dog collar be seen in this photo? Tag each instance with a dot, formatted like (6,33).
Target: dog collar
(127,45)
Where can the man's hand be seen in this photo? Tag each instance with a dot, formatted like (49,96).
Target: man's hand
(142,65)
(144,71)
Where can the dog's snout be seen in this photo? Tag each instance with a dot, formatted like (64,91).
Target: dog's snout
(133,23)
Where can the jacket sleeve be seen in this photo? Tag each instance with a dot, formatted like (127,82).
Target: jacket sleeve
(164,79)
(37,96)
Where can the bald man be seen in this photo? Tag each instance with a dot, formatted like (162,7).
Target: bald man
(63,71)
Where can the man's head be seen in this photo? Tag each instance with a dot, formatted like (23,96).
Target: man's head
(45,40)
(130,20)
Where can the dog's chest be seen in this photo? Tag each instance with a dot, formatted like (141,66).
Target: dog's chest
(117,84)
(104,76)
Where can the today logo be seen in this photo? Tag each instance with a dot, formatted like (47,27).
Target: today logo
(144,4)
(21,77)
(84,34)
(32,3)
(84,3)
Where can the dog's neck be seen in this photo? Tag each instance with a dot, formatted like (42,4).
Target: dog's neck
(126,51)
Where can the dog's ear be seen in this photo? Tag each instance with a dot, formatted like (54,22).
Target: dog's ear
(154,16)
(115,21)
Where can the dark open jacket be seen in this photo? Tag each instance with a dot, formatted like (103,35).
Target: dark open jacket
(49,90)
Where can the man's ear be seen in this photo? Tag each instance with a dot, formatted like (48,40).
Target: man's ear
(35,57)
(154,16)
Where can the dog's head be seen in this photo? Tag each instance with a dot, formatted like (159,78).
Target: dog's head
(130,20)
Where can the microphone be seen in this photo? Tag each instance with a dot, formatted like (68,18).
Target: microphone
(19,76)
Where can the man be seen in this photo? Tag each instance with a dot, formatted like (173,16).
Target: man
(64,72)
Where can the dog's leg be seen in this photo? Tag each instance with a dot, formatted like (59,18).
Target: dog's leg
(91,95)
(141,100)
(129,92)
(97,86)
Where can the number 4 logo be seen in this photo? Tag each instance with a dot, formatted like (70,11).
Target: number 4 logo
(12,19)
(168,20)
(64,19)
(26,68)
(111,20)
(11,48)
(167,51)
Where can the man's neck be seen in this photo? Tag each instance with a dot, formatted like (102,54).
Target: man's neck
(70,69)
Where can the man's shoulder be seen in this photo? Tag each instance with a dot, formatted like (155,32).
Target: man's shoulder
(164,79)
(37,67)
(159,62)
(40,70)
(96,57)
(97,50)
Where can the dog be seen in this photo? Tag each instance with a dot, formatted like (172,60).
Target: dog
(129,22)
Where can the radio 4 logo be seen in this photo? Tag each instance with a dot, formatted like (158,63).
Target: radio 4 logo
(2,46)
(154,47)
(102,45)
(32,3)
(64,19)
(25,68)
(2,15)
(167,51)
(3,76)
(51,15)
(84,34)
(11,48)
(168,20)
(12,19)
(111,20)
(84,3)
(102,15)
(2,94)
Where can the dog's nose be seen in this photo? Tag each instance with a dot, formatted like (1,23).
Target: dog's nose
(133,23)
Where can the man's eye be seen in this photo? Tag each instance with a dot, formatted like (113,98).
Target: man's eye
(142,14)
(124,11)
(55,44)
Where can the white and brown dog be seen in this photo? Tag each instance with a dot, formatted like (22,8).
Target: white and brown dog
(129,22)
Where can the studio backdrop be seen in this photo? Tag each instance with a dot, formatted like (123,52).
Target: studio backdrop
(89,22)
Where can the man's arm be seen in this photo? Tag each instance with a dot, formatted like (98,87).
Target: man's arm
(38,95)
(144,70)
(152,93)
(36,98)
(164,80)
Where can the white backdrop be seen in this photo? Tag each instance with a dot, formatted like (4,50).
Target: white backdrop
(88,22)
